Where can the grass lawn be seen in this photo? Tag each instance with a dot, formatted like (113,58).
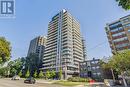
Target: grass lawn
(68,83)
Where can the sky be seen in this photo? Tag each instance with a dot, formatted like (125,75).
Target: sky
(32,18)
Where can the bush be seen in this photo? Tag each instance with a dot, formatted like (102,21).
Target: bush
(78,79)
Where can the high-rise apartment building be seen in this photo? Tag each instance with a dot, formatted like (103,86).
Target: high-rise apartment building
(84,49)
(64,48)
(118,34)
(37,46)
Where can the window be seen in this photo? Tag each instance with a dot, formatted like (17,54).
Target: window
(93,62)
(128,31)
(117,29)
(98,73)
(97,67)
(96,61)
(115,24)
(127,25)
(93,67)
(120,39)
(94,73)
(118,34)
(126,20)
(122,45)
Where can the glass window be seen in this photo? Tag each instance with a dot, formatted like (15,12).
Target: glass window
(120,39)
(93,62)
(97,67)
(127,25)
(115,24)
(93,67)
(128,31)
(118,34)
(126,20)
(122,45)
(98,73)
(117,29)
(96,61)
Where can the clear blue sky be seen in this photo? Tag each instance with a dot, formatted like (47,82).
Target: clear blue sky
(32,17)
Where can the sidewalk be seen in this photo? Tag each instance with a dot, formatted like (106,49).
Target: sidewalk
(45,81)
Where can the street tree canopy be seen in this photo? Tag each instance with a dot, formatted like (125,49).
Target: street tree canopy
(5,50)
(120,62)
(125,4)
(16,66)
(40,75)
(32,63)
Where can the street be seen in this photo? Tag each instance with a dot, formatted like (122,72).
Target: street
(20,83)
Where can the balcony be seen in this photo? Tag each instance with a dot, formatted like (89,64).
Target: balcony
(121,42)
(116,37)
(123,48)
(117,31)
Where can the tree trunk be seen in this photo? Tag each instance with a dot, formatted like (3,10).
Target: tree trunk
(124,81)
(113,75)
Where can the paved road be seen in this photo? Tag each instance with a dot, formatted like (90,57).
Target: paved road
(20,83)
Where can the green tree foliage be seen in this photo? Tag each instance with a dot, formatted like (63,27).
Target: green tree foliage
(4,71)
(125,4)
(12,70)
(16,66)
(48,75)
(27,74)
(40,75)
(60,74)
(35,74)
(120,62)
(53,74)
(20,73)
(32,63)
(5,50)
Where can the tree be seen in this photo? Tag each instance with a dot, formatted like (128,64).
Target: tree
(12,69)
(40,75)
(35,74)
(5,50)
(16,66)
(48,74)
(125,4)
(53,74)
(20,73)
(120,63)
(60,74)
(32,63)
(4,71)
(27,74)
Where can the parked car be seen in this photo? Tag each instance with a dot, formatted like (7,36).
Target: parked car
(16,77)
(30,80)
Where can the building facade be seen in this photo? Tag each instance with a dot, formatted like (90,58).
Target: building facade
(84,49)
(37,46)
(92,69)
(64,48)
(118,34)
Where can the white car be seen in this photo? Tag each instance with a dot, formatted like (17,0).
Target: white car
(16,77)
